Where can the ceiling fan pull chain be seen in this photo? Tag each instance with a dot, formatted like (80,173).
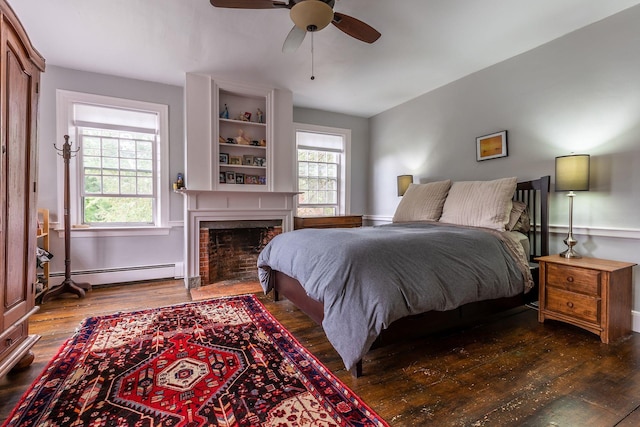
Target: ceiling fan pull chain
(313,77)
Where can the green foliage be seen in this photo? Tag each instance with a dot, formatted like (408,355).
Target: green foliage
(118,210)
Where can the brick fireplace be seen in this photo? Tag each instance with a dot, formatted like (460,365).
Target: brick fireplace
(229,249)
(221,214)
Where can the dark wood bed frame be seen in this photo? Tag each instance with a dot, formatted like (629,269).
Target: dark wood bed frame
(535,194)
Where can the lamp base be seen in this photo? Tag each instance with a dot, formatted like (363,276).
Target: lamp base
(570,253)
(570,242)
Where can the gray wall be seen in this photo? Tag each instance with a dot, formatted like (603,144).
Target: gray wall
(108,252)
(359,148)
(97,253)
(579,93)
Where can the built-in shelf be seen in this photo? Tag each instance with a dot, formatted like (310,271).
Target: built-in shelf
(208,155)
(242,122)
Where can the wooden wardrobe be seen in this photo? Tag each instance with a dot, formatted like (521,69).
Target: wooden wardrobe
(20,68)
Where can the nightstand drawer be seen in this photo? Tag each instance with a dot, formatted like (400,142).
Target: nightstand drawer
(575,279)
(573,304)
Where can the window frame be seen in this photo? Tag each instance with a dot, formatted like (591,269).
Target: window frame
(344,183)
(65,101)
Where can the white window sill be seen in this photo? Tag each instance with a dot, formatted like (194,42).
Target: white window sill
(115,231)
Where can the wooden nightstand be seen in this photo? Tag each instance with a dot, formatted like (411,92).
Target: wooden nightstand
(338,221)
(592,293)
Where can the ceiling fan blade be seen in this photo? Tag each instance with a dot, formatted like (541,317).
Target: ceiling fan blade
(294,40)
(249,4)
(355,28)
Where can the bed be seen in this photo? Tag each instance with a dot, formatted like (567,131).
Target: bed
(455,252)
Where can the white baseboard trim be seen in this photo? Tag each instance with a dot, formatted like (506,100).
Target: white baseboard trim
(635,321)
(123,274)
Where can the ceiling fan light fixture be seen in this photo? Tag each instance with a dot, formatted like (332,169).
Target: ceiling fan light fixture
(311,15)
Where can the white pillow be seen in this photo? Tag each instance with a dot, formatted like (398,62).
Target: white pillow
(480,203)
(422,202)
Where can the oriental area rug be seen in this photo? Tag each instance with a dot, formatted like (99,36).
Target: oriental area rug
(220,362)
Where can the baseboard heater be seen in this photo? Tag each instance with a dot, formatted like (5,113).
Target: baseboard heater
(124,274)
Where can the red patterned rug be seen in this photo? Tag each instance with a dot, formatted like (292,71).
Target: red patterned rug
(222,362)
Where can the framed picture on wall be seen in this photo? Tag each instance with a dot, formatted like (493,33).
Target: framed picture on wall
(491,146)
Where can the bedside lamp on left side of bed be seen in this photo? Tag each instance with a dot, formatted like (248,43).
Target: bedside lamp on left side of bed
(403,183)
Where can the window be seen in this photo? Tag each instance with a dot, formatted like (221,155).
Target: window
(322,172)
(116,173)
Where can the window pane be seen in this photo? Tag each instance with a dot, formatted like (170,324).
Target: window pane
(145,186)
(120,165)
(91,162)
(145,165)
(318,176)
(110,162)
(119,210)
(127,163)
(92,185)
(128,186)
(111,185)
(109,147)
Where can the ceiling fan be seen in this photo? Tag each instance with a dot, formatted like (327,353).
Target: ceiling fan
(308,16)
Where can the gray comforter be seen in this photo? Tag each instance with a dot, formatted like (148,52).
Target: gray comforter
(368,277)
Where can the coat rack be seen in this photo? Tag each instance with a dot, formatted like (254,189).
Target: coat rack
(68,285)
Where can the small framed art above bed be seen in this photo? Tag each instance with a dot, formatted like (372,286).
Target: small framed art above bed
(451,249)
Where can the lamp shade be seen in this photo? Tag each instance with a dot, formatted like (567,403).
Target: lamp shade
(572,172)
(403,183)
(311,15)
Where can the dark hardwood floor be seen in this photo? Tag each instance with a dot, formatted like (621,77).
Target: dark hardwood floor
(509,371)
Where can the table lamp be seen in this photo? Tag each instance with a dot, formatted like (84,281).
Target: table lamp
(572,174)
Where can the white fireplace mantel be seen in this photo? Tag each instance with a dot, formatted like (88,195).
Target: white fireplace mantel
(205,206)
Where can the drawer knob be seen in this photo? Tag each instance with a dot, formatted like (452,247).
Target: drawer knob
(8,342)
(569,304)
(570,279)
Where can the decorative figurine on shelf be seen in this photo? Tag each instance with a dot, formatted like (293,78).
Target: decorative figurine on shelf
(244,117)
(242,139)
(224,114)
(179,181)
(260,116)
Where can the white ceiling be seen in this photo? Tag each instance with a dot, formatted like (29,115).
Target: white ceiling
(425,44)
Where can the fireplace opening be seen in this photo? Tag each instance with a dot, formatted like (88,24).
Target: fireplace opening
(229,249)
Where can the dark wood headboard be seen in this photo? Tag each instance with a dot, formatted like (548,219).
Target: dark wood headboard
(536,195)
